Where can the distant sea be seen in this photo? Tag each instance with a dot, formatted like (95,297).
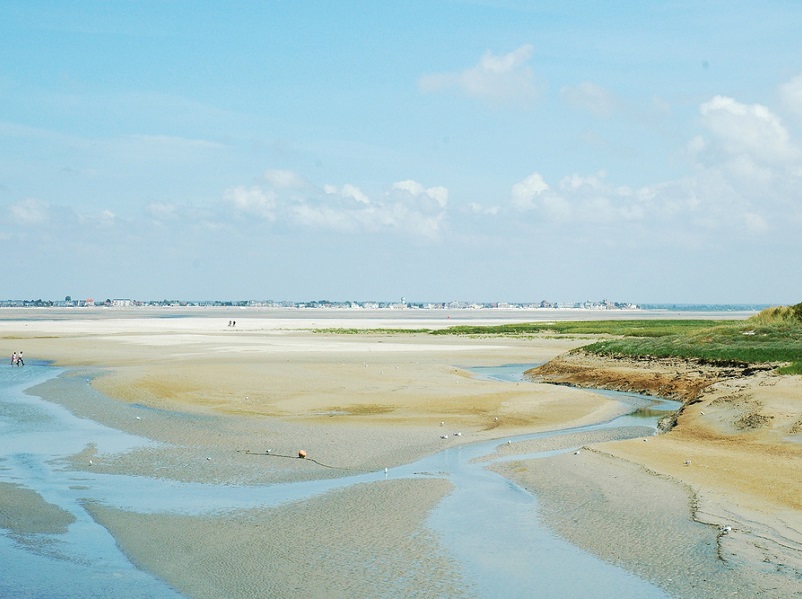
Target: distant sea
(707,307)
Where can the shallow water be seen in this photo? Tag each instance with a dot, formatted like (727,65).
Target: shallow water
(489,525)
(84,562)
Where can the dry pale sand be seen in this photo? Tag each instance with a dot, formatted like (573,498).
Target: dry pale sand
(362,402)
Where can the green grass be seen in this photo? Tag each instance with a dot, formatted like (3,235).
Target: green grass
(772,336)
(347,331)
(736,342)
(627,328)
(793,368)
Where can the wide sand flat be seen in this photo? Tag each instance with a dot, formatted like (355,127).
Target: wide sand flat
(355,401)
(368,400)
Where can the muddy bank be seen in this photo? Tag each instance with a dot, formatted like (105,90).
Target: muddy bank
(671,378)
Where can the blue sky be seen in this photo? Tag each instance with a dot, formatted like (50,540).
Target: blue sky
(464,150)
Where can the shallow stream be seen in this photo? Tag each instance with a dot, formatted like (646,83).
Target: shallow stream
(489,525)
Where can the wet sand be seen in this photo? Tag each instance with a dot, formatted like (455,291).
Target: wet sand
(366,541)
(23,512)
(220,396)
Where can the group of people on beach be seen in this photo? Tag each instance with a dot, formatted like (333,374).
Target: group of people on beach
(16,359)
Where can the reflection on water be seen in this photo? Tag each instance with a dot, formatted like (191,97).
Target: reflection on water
(489,524)
(649,413)
(506,373)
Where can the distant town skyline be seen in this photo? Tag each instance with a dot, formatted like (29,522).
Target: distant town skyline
(69,302)
(444,149)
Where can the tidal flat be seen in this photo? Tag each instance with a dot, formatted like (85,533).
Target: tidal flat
(180,451)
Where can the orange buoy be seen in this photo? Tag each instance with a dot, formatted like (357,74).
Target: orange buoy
(302,454)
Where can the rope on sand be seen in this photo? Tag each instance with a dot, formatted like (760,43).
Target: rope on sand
(270,454)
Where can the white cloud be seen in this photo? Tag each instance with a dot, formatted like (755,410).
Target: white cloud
(791,96)
(748,167)
(587,184)
(406,207)
(748,130)
(505,78)
(527,191)
(348,191)
(284,179)
(438,194)
(317,216)
(591,97)
(107,217)
(30,211)
(410,186)
(252,200)
(592,201)
(352,191)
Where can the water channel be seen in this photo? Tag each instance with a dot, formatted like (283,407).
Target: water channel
(493,528)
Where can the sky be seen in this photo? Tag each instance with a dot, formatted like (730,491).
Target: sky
(496,150)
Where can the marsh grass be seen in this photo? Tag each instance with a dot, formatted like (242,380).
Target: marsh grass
(774,336)
(351,331)
(723,344)
(625,328)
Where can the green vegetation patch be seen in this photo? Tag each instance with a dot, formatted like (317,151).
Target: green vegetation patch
(351,331)
(774,335)
(626,328)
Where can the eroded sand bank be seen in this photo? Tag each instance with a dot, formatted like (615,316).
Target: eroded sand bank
(736,446)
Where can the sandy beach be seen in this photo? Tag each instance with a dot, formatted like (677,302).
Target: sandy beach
(235,404)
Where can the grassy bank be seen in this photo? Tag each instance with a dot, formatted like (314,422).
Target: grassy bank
(774,336)
(625,328)
(736,342)
(770,337)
